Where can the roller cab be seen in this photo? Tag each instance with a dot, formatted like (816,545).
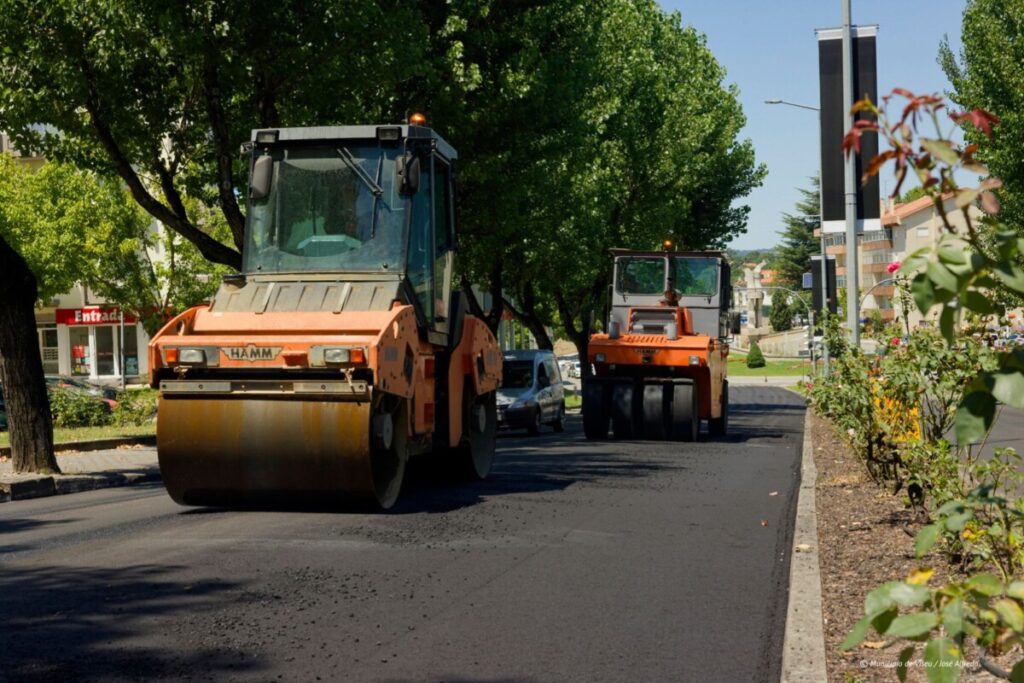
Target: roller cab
(661,367)
(340,350)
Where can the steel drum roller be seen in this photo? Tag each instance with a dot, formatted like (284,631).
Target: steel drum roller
(223,451)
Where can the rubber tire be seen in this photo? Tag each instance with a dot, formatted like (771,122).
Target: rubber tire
(655,411)
(534,428)
(719,426)
(559,423)
(685,413)
(595,411)
(622,410)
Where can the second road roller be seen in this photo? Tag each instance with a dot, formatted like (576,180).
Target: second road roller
(341,350)
(661,367)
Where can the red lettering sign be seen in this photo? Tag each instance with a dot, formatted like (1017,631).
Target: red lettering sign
(94,315)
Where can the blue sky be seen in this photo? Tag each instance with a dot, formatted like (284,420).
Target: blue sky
(769,51)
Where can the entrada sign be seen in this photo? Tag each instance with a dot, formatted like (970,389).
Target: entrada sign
(92,316)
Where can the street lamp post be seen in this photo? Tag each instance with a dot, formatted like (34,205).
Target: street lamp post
(821,221)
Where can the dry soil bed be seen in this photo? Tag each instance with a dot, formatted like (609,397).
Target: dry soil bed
(865,534)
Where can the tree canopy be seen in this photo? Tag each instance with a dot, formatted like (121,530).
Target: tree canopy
(793,255)
(989,74)
(581,124)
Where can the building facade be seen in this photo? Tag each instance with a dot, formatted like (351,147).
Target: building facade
(83,336)
(906,228)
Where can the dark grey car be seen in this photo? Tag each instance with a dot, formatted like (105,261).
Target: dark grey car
(531,392)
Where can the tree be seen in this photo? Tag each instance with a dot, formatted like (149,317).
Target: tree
(989,74)
(618,132)
(162,95)
(781,314)
(912,194)
(755,359)
(793,256)
(55,224)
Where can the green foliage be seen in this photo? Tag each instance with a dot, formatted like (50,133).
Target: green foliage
(69,226)
(893,407)
(781,313)
(793,255)
(972,516)
(755,359)
(135,407)
(76,409)
(989,75)
(910,195)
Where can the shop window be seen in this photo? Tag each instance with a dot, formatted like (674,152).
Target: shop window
(81,354)
(105,351)
(131,351)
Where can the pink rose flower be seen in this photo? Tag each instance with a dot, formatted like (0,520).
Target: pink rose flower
(893,267)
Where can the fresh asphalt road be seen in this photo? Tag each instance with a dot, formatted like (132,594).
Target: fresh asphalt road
(575,561)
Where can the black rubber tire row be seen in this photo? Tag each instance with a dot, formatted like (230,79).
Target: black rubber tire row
(647,409)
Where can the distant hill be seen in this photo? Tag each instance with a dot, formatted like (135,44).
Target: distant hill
(740,256)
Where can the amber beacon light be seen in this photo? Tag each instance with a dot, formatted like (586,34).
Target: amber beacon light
(418,119)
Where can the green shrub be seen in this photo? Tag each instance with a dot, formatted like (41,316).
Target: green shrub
(75,409)
(755,359)
(135,407)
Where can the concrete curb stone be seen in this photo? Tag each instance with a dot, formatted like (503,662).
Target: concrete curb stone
(803,649)
(20,487)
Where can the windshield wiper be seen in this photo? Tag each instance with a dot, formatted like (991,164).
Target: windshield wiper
(351,162)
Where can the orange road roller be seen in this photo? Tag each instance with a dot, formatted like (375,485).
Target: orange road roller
(340,350)
(661,367)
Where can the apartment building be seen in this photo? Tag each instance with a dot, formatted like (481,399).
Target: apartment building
(906,228)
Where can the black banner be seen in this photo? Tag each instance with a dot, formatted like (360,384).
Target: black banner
(833,128)
(830,267)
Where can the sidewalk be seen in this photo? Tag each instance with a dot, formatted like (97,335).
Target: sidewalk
(82,471)
(765,380)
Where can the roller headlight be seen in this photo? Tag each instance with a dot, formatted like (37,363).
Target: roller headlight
(191,356)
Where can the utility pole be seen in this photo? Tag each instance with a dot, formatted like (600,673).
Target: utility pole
(852,284)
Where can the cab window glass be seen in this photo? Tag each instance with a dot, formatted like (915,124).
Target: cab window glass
(641,276)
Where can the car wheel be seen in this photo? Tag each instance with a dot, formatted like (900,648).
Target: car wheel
(559,423)
(534,427)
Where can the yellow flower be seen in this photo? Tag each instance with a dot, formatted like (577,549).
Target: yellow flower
(919,577)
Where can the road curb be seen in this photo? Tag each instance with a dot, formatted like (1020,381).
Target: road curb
(803,649)
(22,487)
(94,445)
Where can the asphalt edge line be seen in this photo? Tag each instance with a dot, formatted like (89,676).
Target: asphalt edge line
(803,648)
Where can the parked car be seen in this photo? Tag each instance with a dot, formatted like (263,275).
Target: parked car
(105,394)
(531,392)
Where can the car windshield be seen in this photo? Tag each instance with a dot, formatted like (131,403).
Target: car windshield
(695,275)
(517,374)
(328,209)
(641,276)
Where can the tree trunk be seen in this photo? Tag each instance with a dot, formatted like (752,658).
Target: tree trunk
(21,368)
(580,335)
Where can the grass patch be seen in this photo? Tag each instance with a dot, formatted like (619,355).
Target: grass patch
(71,434)
(773,368)
(573,400)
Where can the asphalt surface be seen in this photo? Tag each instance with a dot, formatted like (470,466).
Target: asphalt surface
(575,561)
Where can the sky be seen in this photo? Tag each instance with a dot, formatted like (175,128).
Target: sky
(769,51)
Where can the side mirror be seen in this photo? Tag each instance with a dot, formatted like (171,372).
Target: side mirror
(407,169)
(259,184)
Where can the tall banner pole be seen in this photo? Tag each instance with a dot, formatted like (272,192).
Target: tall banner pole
(852,284)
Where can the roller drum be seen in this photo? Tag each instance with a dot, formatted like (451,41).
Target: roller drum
(234,451)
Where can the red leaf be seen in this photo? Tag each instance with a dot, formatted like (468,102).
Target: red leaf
(989,203)
(981,119)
